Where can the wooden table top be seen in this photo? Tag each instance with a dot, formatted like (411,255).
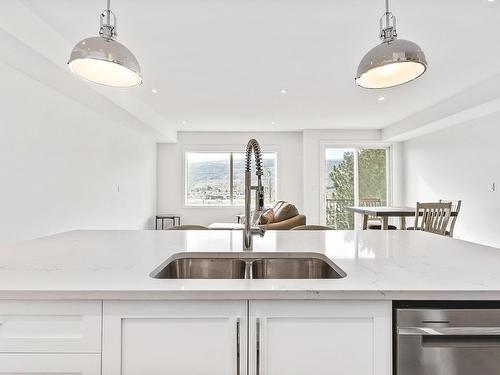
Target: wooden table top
(386,211)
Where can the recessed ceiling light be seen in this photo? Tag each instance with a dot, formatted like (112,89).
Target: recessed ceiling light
(273,123)
(381,98)
(154,91)
(491,1)
(283,91)
(184,122)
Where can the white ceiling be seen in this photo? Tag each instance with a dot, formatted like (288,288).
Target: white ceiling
(219,65)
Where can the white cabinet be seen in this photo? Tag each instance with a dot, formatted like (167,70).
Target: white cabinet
(50,364)
(210,337)
(320,338)
(50,337)
(174,337)
(50,326)
(264,337)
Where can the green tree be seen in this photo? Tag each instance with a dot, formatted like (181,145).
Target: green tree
(342,177)
(372,185)
(372,175)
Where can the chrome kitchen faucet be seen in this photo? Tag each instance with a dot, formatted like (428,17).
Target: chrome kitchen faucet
(251,228)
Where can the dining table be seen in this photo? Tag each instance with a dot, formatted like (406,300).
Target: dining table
(386,212)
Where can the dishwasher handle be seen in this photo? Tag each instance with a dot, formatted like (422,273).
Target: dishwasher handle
(449,331)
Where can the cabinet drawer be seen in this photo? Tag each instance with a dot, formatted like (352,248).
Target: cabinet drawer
(50,326)
(50,364)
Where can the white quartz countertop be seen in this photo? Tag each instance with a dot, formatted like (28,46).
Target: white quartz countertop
(379,265)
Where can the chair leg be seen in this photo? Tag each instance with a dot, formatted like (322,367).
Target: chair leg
(365,222)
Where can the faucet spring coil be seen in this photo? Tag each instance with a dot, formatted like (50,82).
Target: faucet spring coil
(253,145)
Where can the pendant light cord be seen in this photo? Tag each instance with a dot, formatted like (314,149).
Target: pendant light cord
(387,13)
(108,12)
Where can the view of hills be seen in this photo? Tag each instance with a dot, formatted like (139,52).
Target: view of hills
(208,181)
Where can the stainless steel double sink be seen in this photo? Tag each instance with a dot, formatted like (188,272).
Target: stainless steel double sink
(248,265)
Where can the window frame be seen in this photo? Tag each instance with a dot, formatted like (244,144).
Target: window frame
(356,147)
(221,149)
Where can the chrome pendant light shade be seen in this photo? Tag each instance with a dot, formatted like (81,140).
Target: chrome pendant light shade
(103,60)
(393,62)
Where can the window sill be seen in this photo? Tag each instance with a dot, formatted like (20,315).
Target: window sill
(214,206)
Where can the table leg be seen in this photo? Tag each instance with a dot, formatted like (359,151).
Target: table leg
(162,222)
(156,223)
(385,222)
(402,220)
(365,222)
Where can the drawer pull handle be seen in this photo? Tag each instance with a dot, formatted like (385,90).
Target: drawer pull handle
(238,354)
(257,347)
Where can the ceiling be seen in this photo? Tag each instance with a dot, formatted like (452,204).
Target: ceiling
(220,65)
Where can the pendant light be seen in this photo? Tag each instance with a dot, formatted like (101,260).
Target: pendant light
(101,59)
(393,62)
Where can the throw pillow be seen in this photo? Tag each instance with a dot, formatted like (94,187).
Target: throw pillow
(267,217)
(285,212)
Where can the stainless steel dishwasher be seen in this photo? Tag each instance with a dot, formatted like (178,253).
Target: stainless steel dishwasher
(447,341)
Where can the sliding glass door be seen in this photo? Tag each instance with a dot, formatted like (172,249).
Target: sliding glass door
(353,176)
(339,187)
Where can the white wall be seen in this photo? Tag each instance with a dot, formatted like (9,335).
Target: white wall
(460,162)
(288,146)
(61,163)
(299,162)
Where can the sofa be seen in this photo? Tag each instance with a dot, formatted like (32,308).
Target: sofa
(281,215)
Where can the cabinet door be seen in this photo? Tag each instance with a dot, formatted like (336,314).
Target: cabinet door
(174,337)
(50,326)
(320,338)
(50,364)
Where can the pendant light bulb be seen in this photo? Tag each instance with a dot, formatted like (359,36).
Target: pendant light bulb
(101,59)
(393,62)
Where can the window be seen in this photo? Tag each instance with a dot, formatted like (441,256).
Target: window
(353,177)
(218,178)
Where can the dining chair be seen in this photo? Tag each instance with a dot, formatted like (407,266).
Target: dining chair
(188,227)
(455,210)
(432,217)
(311,227)
(376,221)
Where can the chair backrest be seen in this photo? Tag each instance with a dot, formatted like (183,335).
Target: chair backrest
(455,209)
(432,217)
(188,227)
(311,227)
(370,202)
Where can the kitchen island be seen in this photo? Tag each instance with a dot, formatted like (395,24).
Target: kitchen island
(83,302)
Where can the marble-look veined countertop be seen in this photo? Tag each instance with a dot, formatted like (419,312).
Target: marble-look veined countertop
(110,264)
